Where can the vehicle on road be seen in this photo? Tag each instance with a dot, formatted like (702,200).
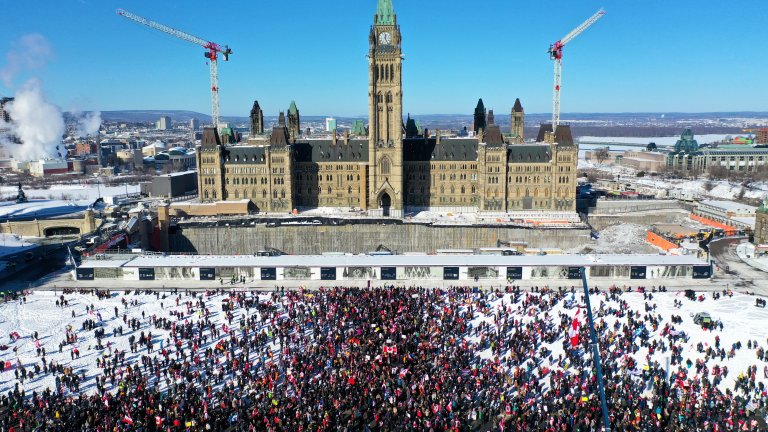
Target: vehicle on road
(703,319)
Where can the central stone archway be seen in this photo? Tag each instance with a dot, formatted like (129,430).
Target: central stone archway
(385,202)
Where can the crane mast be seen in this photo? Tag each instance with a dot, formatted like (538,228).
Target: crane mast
(556,54)
(213,50)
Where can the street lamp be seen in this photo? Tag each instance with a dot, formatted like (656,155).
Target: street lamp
(595,352)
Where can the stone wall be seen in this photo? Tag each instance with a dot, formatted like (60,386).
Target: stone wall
(361,238)
(645,212)
(76,225)
(606,207)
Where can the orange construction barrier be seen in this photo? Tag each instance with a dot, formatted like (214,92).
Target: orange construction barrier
(729,230)
(660,241)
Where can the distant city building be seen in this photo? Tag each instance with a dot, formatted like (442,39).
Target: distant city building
(762,136)
(171,185)
(688,157)
(330,124)
(46,167)
(131,158)
(257,120)
(386,171)
(643,161)
(164,123)
(194,124)
(5,116)
(85,148)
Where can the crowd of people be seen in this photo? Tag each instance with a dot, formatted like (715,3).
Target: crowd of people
(381,359)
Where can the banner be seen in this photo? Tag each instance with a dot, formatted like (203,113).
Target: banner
(146,274)
(450,273)
(268,273)
(389,273)
(328,273)
(637,272)
(207,274)
(515,273)
(85,274)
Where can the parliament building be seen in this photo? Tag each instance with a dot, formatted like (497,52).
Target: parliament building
(390,168)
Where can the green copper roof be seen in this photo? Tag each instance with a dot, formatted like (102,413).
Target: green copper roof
(764,206)
(385,13)
(292,109)
(358,128)
(686,143)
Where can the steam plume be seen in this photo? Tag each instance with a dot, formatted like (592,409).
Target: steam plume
(88,124)
(36,122)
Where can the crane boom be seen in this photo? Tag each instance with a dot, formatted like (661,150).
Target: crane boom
(585,25)
(212,54)
(163,28)
(556,54)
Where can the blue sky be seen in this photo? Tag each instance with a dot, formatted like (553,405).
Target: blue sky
(652,55)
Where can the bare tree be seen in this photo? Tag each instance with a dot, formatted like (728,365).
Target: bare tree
(602,155)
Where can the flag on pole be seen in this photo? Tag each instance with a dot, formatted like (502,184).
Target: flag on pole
(573,331)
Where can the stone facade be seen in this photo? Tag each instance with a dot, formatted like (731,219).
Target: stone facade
(687,157)
(761,224)
(388,171)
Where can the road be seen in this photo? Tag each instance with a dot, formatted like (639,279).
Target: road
(733,269)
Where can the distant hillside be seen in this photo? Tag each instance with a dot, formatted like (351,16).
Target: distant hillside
(136,116)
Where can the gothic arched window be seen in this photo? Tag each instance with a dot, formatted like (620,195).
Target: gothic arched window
(385,166)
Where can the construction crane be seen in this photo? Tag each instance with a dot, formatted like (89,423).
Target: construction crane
(556,54)
(212,54)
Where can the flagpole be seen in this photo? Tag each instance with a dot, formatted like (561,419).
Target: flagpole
(595,352)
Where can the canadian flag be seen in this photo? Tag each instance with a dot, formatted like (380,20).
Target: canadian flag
(390,350)
(573,331)
(128,420)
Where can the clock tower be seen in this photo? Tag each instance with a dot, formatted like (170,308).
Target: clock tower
(385,105)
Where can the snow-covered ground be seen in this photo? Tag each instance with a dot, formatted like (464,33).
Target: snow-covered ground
(742,322)
(720,189)
(71,192)
(625,238)
(42,208)
(11,244)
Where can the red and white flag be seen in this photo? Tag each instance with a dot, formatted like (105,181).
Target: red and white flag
(128,420)
(573,330)
(390,350)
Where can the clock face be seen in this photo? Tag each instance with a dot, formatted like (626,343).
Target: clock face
(385,38)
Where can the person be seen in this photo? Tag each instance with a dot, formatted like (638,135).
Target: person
(400,358)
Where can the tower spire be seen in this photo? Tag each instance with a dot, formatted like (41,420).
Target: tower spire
(385,13)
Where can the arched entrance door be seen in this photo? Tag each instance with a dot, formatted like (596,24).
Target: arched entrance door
(385,202)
